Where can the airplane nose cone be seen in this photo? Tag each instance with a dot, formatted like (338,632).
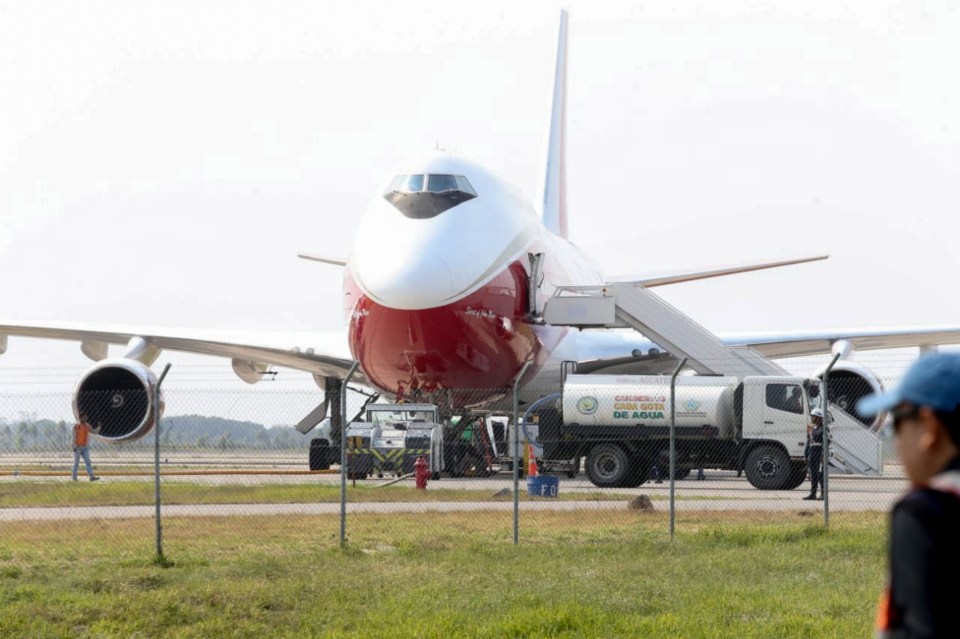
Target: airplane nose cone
(397,281)
(408,261)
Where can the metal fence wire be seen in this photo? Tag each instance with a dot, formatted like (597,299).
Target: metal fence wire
(596,452)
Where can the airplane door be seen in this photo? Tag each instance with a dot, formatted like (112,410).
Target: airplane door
(536,278)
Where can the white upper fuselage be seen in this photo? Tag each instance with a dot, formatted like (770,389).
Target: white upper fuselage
(441,299)
(416,264)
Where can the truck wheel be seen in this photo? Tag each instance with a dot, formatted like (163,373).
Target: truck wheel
(608,466)
(769,468)
(799,475)
(638,474)
(663,463)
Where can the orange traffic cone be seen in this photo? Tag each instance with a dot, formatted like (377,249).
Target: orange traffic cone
(532,470)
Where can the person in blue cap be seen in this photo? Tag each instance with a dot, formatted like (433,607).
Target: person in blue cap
(920,599)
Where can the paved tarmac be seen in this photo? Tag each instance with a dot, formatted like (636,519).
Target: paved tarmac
(721,491)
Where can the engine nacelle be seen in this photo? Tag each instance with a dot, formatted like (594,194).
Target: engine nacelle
(848,383)
(117,396)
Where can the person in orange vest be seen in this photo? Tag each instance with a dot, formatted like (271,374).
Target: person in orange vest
(920,600)
(81,437)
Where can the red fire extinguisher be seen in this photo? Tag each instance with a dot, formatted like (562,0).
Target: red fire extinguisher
(421,472)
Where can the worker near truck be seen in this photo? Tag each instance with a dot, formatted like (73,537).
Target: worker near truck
(813,451)
(924,553)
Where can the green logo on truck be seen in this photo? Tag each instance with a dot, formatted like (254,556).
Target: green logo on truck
(587,405)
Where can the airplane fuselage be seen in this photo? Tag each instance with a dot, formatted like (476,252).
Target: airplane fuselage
(437,288)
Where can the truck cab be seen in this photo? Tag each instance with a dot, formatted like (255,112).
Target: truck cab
(773,430)
(778,409)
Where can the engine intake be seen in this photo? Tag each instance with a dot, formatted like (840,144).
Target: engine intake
(848,383)
(117,396)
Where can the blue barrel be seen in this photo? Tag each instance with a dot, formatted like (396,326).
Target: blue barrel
(543,486)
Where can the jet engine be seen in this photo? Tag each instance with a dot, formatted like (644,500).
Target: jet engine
(117,396)
(848,383)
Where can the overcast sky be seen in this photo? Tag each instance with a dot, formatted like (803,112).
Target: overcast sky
(163,163)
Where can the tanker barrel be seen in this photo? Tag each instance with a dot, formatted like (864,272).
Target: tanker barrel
(644,400)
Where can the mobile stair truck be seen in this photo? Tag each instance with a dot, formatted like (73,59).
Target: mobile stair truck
(621,424)
(736,421)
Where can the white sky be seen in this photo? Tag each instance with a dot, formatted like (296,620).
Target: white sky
(163,163)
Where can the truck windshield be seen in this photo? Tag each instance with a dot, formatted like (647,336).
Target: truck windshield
(785,397)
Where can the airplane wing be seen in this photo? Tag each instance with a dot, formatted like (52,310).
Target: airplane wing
(326,259)
(799,343)
(323,354)
(609,352)
(649,281)
(327,355)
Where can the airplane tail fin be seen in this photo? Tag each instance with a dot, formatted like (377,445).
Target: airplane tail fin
(555,180)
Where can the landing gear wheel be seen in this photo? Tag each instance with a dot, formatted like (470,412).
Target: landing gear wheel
(320,454)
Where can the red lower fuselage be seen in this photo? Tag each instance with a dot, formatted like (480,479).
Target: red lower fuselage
(475,346)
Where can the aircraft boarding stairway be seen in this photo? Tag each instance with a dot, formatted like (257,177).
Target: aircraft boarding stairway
(853,447)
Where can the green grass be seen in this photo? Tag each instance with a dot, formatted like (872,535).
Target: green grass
(111,492)
(442,576)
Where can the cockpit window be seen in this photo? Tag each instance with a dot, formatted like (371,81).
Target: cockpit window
(407,183)
(425,196)
(441,183)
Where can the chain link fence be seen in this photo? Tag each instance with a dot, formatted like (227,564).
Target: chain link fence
(598,455)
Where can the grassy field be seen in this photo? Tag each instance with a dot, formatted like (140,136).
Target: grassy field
(456,575)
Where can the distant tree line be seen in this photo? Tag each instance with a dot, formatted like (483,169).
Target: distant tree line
(182,431)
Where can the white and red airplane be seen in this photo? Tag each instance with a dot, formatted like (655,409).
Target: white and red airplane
(439,296)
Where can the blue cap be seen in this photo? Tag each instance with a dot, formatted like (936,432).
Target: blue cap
(932,381)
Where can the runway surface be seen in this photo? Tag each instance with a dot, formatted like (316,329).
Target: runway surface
(721,491)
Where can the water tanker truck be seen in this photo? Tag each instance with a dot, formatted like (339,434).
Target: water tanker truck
(621,425)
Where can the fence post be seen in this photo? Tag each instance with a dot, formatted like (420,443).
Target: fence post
(825,405)
(156,460)
(673,441)
(516,460)
(343,454)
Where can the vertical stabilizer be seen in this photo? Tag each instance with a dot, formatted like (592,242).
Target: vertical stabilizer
(555,180)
